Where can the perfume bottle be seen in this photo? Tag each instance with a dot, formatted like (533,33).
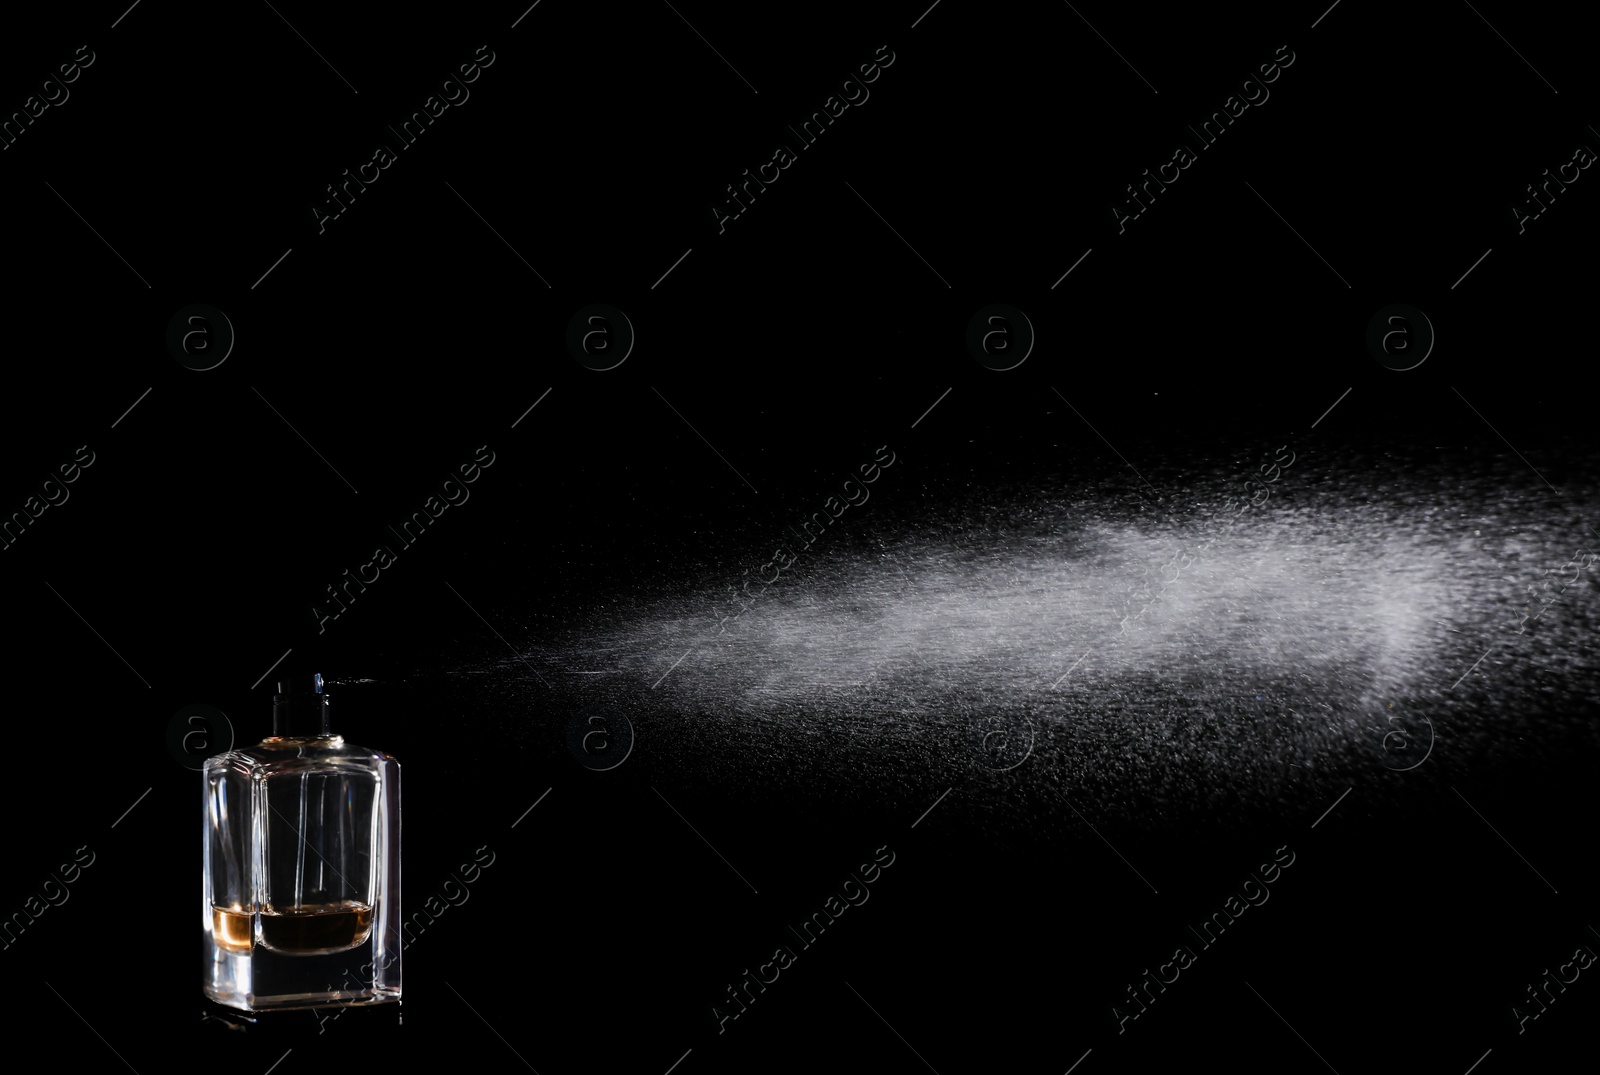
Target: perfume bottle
(301,903)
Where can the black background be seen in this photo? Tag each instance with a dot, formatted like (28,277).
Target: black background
(807,334)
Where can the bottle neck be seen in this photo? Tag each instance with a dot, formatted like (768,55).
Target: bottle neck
(300,745)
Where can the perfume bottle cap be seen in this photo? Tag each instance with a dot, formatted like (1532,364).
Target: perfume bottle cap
(300,707)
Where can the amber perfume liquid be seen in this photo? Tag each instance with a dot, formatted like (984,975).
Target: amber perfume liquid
(301,866)
(306,931)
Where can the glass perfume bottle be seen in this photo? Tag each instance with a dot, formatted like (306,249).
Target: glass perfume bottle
(301,901)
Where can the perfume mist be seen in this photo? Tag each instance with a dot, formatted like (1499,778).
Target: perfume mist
(301,903)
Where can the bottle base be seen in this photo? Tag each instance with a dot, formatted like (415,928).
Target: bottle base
(262,979)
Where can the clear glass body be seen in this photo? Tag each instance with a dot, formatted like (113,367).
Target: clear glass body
(301,901)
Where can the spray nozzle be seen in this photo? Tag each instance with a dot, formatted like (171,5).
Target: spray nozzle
(300,707)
